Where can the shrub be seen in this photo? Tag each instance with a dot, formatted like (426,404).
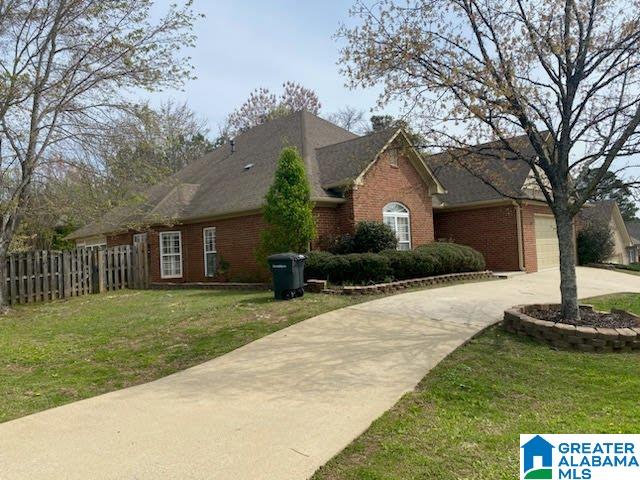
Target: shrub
(359,268)
(595,244)
(342,244)
(373,237)
(369,237)
(354,268)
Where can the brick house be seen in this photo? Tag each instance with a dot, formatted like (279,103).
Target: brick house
(208,215)
(499,210)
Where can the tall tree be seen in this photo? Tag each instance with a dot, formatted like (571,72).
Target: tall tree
(263,105)
(65,66)
(288,208)
(349,118)
(615,188)
(141,147)
(146,144)
(565,73)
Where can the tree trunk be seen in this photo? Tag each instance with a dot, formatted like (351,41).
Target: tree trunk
(568,281)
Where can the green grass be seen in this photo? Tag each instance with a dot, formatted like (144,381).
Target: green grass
(58,352)
(464,419)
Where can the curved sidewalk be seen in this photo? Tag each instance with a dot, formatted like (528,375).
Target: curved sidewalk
(277,408)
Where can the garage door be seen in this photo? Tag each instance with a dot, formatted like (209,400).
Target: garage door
(546,242)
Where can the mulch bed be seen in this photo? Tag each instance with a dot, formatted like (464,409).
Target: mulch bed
(588,318)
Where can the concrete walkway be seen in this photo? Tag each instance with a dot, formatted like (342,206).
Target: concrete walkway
(279,407)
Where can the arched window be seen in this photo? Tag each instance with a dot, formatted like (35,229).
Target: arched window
(396,215)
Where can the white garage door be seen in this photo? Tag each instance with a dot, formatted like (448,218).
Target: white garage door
(546,242)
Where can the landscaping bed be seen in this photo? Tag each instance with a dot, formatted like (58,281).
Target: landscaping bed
(596,331)
(389,266)
(321,286)
(588,317)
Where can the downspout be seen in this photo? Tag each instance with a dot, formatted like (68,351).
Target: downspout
(520,235)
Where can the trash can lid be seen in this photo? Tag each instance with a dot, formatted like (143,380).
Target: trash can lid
(286,256)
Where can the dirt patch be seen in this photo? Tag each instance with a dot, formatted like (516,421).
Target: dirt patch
(588,317)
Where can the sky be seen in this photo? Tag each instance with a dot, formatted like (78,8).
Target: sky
(246,44)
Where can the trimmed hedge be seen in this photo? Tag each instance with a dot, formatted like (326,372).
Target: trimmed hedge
(362,268)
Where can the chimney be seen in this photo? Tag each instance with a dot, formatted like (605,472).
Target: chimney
(233,145)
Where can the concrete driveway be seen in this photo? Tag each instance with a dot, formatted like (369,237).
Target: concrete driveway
(279,407)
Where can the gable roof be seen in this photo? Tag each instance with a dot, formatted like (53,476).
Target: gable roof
(226,183)
(358,153)
(606,211)
(598,211)
(633,228)
(499,167)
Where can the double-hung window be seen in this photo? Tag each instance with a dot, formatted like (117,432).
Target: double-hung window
(396,216)
(209,237)
(139,238)
(170,255)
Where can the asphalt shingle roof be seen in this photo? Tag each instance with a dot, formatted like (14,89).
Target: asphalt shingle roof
(223,182)
(601,212)
(634,230)
(345,161)
(489,161)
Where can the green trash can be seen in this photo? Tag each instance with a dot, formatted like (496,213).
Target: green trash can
(288,275)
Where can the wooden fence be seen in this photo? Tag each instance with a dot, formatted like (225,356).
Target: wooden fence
(49,275)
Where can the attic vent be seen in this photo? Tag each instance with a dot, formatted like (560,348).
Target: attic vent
(248,166)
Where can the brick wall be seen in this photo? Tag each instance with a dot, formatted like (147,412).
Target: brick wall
(385,183)
(327,226)
(236,241)
(491,230)
(237,238)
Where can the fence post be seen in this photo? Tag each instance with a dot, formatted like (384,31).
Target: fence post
(102,271)
(66,272)
(13,274)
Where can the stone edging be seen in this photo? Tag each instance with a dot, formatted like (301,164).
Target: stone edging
(321,285)
(210,286)
(571,337)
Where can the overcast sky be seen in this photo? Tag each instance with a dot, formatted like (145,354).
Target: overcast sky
(247,44)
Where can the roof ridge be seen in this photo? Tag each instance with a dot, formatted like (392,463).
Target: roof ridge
(362,137)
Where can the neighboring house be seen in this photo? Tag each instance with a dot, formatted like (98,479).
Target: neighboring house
(513,227)
(211,210)
(633,228)
(608,213)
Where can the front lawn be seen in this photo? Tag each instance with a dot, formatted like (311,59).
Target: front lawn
(464,419)
(55,353)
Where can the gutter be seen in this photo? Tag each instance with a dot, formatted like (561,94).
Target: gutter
(520,236)
(318,202)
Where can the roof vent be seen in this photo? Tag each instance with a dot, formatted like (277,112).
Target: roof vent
(248,166)
(233,145)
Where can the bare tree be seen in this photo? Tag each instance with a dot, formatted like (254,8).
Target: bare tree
(563,73)
(65,67)
(145,144)
(350,118)
(263,105)
(142,146)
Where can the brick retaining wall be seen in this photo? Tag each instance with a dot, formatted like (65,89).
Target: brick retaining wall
(402,284)
(571,337)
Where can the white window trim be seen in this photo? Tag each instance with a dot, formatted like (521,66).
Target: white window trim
(395,215)
(162,255)
(139,235)
(204,248)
